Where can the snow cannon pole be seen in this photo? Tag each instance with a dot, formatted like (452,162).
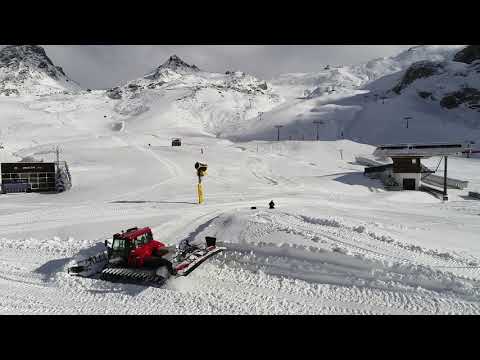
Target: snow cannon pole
(201,172)
(201,198)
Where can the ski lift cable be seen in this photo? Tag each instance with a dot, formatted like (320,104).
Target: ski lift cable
(438,165)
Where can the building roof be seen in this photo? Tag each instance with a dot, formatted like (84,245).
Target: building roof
(420,150)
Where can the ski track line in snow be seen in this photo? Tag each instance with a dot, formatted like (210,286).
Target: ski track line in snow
(51,218)
(173,169)
(256,299)
(308,303)
(184,227)
(383,251)
(291,226)
(253,248)
(394,274)
(262,172)
(234,289)
(329,268)
(321,227)
(330,299)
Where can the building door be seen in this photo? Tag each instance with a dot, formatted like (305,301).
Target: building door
(408,184)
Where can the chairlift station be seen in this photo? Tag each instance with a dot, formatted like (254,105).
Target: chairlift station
(406,172)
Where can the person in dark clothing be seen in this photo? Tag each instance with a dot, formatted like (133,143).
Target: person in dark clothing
(271,205)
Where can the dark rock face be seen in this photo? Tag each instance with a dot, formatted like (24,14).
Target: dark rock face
(460,80)
(133,87)
(60,70)
(419,70)
(114,93)
(424,94)
(468,55)
(468,96)
(155,85)
(52,73)
(175,63)
(23,62)
(8,92)
(263,86)
(12,55)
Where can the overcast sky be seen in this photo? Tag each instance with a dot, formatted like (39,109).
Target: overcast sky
(104,66)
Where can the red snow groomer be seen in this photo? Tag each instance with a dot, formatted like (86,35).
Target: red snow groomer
(135,257)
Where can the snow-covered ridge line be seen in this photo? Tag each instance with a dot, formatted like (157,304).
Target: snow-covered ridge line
(209,102)
(173,64)
(27,70)
(340,77)
(176,73)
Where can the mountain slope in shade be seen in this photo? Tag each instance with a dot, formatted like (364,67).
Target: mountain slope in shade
(340,78)
(440,96)
(27,70)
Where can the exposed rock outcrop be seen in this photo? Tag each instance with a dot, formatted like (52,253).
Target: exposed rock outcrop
(468,55)
(418,70)
(469,97)
(26,69)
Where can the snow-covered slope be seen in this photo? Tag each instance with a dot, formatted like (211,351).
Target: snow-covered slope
(26,69)
(336,78)
(377,68)
(183,96)
(241,107)
(453,83)
(309,85)
(440,98)
(337,242)
(369,102)
(355,102)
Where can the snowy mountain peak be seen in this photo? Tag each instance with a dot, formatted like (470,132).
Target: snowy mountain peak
(22,52)
(28,69)
(31,56)
(173,67)
(175,63)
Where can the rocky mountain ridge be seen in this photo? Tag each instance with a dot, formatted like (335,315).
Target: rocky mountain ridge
(27,70)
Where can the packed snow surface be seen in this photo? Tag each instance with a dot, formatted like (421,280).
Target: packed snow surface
(336,243)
